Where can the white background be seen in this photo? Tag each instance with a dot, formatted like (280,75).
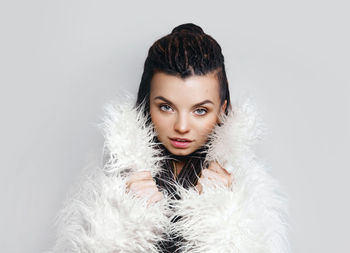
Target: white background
(61,61)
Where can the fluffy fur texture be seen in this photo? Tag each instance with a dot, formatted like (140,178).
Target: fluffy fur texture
(249,217)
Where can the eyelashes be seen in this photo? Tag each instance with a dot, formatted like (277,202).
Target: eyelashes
(202,110)
(163,105)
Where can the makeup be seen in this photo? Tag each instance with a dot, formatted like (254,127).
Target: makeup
(180,143)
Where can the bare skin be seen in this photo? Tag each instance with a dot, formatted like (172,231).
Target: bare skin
(143,185)
(176,112)
(216,174)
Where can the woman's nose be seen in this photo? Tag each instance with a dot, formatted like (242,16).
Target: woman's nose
(181,124)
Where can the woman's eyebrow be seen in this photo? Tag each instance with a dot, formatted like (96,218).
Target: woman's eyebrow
(198,104)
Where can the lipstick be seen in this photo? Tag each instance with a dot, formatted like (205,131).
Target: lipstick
(180,142)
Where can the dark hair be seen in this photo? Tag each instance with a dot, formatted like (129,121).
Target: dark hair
(185,52)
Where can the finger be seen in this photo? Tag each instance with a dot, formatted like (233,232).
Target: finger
(219,178)
(215,166)
(199,187)
(145,191)
(139,175)
(156,197)
(144,183)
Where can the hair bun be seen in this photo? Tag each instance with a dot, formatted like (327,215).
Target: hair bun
(190,27)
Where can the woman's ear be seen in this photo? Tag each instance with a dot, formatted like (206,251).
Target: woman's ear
(222,111)
(223,107)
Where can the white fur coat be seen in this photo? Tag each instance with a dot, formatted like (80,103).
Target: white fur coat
(102,217)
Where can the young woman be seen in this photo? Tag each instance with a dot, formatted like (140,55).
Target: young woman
(179,172)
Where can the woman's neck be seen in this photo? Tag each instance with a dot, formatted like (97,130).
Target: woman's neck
(179,166)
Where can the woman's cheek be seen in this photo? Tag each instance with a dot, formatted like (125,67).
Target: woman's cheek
(162,127)
(157,120)
(207,126)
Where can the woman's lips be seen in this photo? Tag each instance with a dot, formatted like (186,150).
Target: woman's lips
(180,144)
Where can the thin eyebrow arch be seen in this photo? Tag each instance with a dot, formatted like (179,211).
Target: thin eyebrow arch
(195,105)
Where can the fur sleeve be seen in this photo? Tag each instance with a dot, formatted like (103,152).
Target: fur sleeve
(249,217)
(102,217)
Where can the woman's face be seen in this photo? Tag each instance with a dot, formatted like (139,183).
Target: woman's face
(184,108)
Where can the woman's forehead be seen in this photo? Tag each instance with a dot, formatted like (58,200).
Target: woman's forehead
(191,89)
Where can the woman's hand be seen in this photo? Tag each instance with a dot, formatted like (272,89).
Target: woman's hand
(143,185)
(216,174)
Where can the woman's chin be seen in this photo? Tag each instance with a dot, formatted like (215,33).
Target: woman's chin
(180,151)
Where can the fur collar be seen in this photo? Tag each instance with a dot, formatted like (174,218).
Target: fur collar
(129,139)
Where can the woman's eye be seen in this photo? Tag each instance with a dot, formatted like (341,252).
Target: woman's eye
(166,108)
(201,111)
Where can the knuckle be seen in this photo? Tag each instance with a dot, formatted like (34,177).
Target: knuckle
(134,187)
